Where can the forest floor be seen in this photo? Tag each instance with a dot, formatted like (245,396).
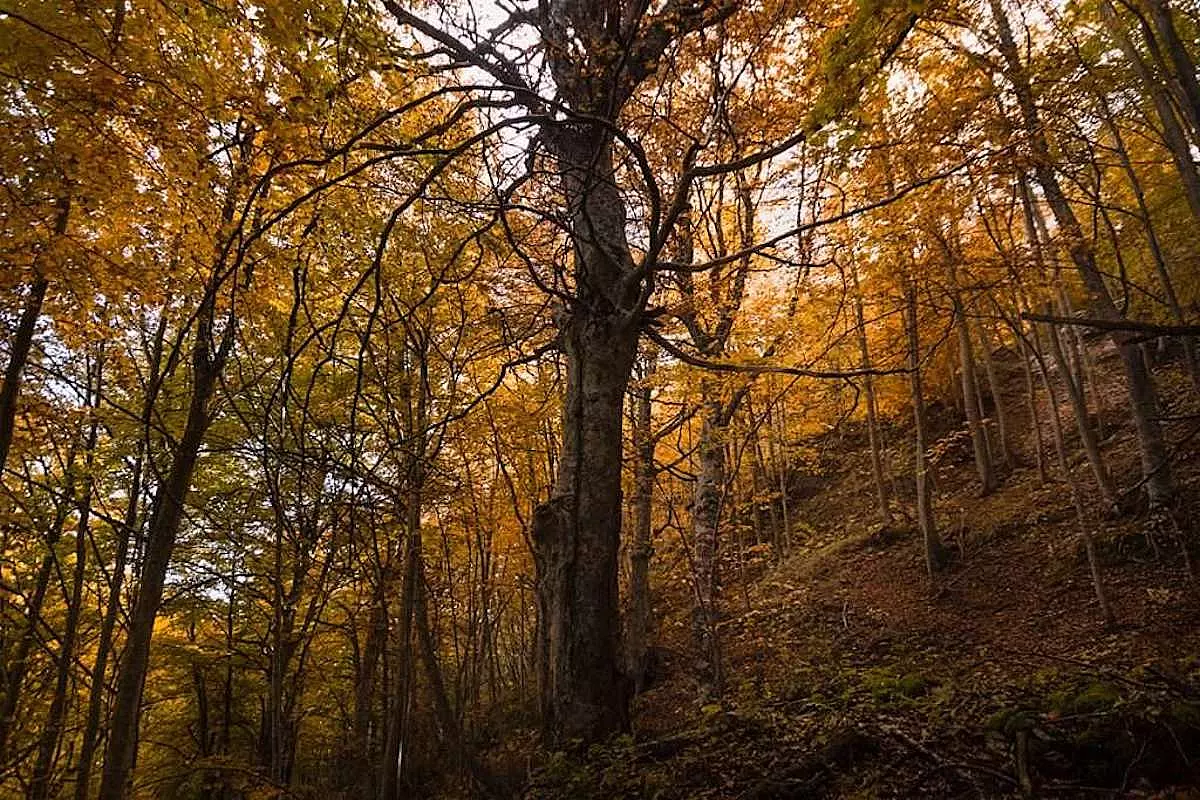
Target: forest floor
(848,674)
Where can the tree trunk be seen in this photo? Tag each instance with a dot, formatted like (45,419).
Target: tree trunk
(52,732)
(641,546)
(1031,399)
(1191,357)
(934,552)
(16,669)
(104,645)
(577,532)
(1174,136)
(125,533)
(402,682)
(1087,436)
(706,518)
(1182,65)
(776,427)
(979,442)
(996,390)
(165,521)
(449,724)
(577,535)
(864,361)
(21,345)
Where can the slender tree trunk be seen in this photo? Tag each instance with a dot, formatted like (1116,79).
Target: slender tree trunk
(365,722)
(1087,436)
(1035,416)
(864,361)
(21,345)
(641,547)
(104,645)
(1182,66)
(996,390)
(979,442)
(778,451)
(1191,357)
(18,356)
(402,682)
(225,739)
(1156,470)
(765,516)
(449,724)
(203,734)
(112,608)
(934,551)
(706,517)
(392,768)
(1174,136)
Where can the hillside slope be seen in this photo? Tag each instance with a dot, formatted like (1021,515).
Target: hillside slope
(849,675)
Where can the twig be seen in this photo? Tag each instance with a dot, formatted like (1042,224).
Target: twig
(965,768)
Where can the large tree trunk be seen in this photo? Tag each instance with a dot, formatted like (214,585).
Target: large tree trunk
(577,535)
(1156,470)
(577,531)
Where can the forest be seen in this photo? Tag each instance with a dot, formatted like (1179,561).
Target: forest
(599,399)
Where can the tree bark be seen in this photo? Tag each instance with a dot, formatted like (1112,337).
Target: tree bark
(577,531)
